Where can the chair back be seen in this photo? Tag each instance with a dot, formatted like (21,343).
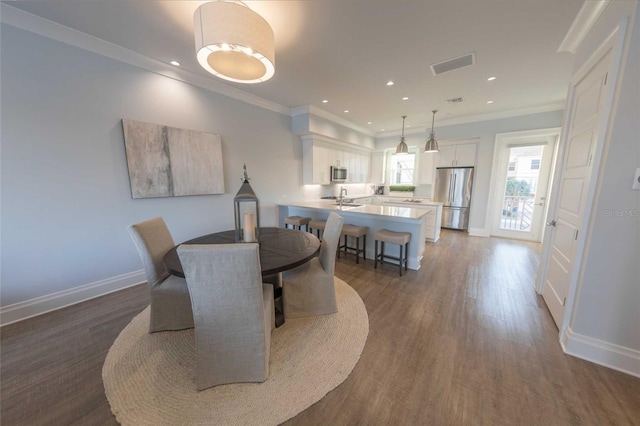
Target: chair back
(153,240)
(225,279)
(330,240)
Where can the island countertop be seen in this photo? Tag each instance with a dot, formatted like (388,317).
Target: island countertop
(396,218)
(386,211)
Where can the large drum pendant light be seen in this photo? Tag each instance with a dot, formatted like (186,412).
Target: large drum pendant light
(233,42)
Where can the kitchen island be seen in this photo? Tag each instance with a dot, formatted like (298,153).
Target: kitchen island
(434,219)
(376,217)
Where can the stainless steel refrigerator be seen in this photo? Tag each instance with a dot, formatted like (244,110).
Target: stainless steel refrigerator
(453,189)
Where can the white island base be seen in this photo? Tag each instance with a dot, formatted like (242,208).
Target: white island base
(393,218)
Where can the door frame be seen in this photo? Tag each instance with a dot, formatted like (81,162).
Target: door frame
(551,135)
(614,43)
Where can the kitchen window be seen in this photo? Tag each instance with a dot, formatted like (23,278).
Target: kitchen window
(400,168)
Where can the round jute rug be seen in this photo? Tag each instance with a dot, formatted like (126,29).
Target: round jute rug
(149,379)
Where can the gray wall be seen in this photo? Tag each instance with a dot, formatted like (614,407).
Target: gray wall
(607,307)
(486,131)
(66,201)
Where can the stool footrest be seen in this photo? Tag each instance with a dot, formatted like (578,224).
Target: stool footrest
(356,250)
(400,238)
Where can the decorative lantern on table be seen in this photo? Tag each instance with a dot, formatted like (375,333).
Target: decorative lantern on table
(247,213)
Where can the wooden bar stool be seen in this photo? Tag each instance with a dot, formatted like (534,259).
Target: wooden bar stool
(400,238)
(297,221)
(355,232)
(318,225)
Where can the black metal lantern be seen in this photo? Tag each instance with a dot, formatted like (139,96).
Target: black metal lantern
(247,213)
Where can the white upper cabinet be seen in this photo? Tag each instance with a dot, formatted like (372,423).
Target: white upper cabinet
(459,155)
(377,167)
(426,168)
(318,157)
(466,155)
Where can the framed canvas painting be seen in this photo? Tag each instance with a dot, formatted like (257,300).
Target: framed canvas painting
(166,161)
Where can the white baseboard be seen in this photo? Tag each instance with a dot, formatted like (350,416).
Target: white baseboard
(479,232)
(43,304)
(600,352)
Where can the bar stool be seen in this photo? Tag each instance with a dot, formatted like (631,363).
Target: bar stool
(318,225)
(400,238)
(297,221)
(356,232)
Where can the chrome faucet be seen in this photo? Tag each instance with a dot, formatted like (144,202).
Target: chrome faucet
(342,196)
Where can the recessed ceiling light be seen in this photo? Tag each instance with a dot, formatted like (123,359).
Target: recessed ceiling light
(324,101)
(389,83)
(175,63)
(405,98)
(346,111)
(382,130)
(489,102)
(369,122)
(491,78)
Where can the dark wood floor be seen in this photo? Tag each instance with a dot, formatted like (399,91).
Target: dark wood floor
(464,341)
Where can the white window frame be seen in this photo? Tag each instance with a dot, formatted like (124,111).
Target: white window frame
(390,168)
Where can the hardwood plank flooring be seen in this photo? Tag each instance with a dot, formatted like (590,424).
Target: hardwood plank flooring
(463,341)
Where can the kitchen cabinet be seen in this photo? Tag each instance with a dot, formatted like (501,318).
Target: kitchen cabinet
(434,218)
(316,161)
(457,155)
(377,167)
(318,157)
(426,168)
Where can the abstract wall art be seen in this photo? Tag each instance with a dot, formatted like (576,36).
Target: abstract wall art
(166,161)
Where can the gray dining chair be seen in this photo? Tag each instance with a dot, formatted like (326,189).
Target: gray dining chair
(233,312)
(169,296)
(309,289)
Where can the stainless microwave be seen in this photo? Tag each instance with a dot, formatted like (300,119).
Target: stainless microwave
(338,174)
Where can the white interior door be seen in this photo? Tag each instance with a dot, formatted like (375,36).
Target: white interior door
(587,101)
(523,171)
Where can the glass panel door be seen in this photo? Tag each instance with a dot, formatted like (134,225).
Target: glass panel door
(523,175)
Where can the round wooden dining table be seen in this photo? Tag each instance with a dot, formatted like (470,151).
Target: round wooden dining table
(280,249)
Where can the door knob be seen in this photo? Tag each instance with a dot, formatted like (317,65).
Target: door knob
(552,223)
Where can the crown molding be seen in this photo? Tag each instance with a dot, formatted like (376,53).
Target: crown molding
(55,31)
(310,109)
(419,129)
(582,24)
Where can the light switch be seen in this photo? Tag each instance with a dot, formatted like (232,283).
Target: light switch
(636,180)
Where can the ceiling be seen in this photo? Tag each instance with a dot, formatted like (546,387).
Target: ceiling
(345,51)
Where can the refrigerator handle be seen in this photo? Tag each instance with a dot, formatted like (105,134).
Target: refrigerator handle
(454,187)
(450,190)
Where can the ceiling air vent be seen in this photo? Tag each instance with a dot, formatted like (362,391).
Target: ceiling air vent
(454,63)
(455,100)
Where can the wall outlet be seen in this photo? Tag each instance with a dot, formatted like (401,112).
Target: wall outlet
(636,180)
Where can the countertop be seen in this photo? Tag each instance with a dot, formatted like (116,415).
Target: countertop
(365,209)
(413,203)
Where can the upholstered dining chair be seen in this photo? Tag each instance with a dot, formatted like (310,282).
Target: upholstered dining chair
(169,295)
(233,312)
(309,289)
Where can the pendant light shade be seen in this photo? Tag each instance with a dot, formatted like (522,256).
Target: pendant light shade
(233,42)
(432,143)
(402,147)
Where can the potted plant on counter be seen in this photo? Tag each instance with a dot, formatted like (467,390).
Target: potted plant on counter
(401,190)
